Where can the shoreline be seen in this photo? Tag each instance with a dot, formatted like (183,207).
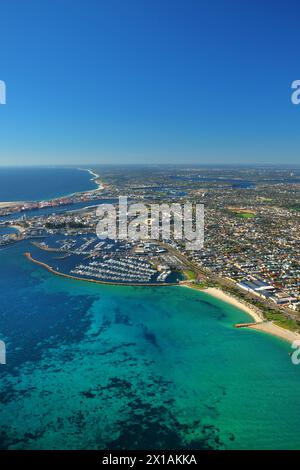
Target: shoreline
(275,330)
(219,294)
(96,176)
(99,187)
(95,281)
(259,324)
(3,205)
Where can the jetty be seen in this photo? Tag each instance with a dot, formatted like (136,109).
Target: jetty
(246,325)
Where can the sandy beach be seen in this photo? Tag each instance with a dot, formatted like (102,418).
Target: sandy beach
(271,328)
(9,204)
(96,179)
(219,294)
(259,323)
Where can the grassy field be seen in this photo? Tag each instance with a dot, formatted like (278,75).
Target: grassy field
(190,275)
(245,215)
(242,213)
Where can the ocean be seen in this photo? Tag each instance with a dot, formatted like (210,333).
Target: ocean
(41,183)
(95,367)
(91,366)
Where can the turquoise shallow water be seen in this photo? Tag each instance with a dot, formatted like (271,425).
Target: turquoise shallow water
(94,367)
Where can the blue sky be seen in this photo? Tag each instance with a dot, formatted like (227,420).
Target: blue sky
(162,81)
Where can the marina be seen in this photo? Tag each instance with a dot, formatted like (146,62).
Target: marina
(115,281)
(86,258)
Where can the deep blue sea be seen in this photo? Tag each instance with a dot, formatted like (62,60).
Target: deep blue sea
(91,366)
(33,183)
(94,367)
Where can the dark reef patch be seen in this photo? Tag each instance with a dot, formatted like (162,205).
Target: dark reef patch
(55,320)
(154,427)
(150,337)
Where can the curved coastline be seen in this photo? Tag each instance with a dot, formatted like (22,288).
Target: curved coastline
(259,324)
(251,310)
(275,330)
(95,178)
(110,283)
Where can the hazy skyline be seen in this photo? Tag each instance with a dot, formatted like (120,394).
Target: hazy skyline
(149,81)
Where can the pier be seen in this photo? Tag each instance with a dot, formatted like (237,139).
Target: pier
(246,325)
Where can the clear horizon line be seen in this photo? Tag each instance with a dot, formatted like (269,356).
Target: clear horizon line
(76,165)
